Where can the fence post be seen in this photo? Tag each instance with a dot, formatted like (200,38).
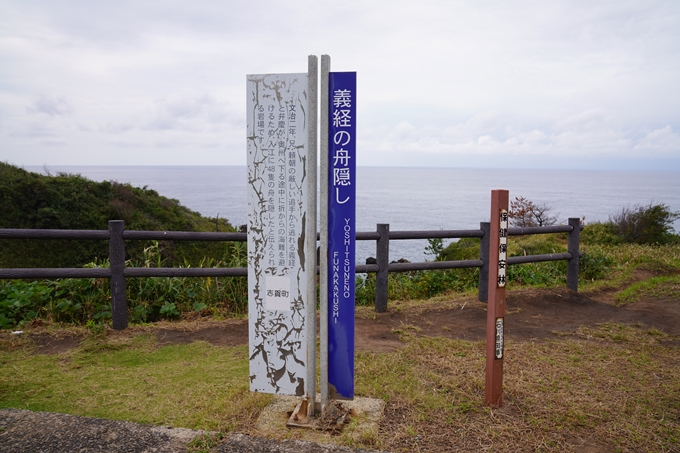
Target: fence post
(495,313)
(572,247)
(382,252)
(484,256)
(117,265)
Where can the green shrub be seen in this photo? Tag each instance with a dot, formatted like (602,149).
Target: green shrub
(645,224)
(599,233)
(593,265)
(21,301)
(537,244)
(66,201)
(463,249)
(435,247)
(417,284)
(545,274)
(83,300)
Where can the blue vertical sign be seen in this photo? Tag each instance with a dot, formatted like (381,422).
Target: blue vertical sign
(341,231)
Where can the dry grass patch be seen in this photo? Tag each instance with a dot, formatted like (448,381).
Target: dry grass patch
(617,390)
(415,307)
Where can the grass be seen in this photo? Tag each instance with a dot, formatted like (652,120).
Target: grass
(626,259)
(667,286)
(602,267)
(204,443)
(196,386)
(614,385)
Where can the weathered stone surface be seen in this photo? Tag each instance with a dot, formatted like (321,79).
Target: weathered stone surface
(45,432)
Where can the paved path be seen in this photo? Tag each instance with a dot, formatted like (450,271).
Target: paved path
(44,432)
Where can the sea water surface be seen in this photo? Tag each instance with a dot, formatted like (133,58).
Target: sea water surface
(412,198)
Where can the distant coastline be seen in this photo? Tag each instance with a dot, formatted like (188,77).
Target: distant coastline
(412,197)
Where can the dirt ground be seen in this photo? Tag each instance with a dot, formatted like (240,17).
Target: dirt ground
(530,314)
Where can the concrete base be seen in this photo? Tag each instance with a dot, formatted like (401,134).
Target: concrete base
(364,414)
(332,419)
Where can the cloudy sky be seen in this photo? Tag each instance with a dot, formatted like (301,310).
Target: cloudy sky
(532,83)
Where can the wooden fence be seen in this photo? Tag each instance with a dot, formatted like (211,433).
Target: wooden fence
(117,272)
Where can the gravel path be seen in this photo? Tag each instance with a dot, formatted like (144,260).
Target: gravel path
(24,431)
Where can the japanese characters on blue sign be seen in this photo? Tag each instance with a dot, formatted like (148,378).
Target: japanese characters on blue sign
(341,231)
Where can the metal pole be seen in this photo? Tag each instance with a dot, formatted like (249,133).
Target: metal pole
(484,256)
(310,242)
(323,255)
(495,320)
(572,247)
(117,281)
(382,252)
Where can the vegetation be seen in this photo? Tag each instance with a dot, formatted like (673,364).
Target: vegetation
(612,383)
(554,391)
(525,213)
(88,301)
(595,264)
(640,224)
(194,385)
(602,247)
(417,284)
(665,286)
(67,201)
(649,224)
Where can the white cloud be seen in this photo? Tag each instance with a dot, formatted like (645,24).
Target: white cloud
(661,141)
(33,129)
(52,142)
(118,128)
(582,134)
(50,106)
(197,113)
(589,120)
(442,77)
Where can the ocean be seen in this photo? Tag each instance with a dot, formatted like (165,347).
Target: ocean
(412,198)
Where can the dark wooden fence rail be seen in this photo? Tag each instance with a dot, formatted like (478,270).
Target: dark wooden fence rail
(117,272)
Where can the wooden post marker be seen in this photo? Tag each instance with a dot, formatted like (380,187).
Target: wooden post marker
(495,319)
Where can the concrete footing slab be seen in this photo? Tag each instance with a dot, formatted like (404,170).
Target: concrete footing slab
(361,425)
